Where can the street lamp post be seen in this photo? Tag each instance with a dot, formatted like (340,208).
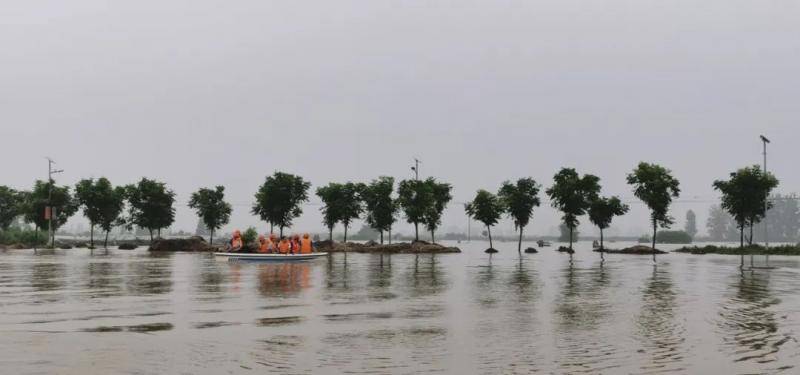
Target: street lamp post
(51,212)
(764,141)
(415,168)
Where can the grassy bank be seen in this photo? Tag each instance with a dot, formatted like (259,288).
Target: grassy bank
(747,250)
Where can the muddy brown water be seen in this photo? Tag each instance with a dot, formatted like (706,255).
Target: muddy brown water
(83,312)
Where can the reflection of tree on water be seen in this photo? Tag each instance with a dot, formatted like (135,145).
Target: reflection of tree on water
(283,279)
(211,278)
(380,276)
(425,277)
(151,274)
(104,278)
(752,326)
(662,335)
(48,276)
(338,275)
(523,283)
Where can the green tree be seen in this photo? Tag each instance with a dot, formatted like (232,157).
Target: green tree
(9,206)
(519,200)
(744,196)
(440,197)
(656,187)
(379,205)
(150,205)
(603,210)
(36,201)
(486,208)
(331,196)
(691,223)
(212,209)
(415,198)
(572,195)
(279,199)
(351,205)
(102,204)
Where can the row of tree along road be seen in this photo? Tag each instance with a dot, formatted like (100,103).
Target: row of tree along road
(279,201)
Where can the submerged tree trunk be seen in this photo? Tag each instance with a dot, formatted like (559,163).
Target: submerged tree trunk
(381,243)
(570,238)
(741,237)
(416,231)
(330,234)
(602,248)
(345,233)
(433,239)
(519,244)
(489,231)
(211,237)
(151,235)
(105,242)
(750,240)
(655,230)
(91,234)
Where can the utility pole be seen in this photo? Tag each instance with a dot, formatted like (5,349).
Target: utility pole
(415,168)
(764,140)
(49,210)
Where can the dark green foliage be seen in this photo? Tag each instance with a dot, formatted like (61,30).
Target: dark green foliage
(691,223)
(656,187)
(330,195)
(744,196)
(102,204)
(350,205)
(35,202)
(279,200)
(519,200)
(23,236)
(415,198)
(746,250)
(249,236)
(9,206)
(440,192)
(572,195)
(380,208)
(486,208)
(211,208)
(603,210)
(669,237)
(150,205)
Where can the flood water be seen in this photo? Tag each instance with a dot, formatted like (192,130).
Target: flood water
(77,312)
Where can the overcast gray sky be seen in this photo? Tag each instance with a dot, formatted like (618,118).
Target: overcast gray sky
(200,93)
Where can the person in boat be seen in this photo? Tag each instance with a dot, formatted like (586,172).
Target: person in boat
(295,244)
(263,245)
(236,243)
(284,246)
(306,246)
(273,243)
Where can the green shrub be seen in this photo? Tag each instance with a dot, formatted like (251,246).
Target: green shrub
(249,236)
(27,237)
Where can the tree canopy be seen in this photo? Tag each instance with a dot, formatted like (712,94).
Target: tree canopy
(414,198)
(212,208)
(279,199)
(440,197)
(151,205)
(519,201)
(379,205)
(9,206)
(35,202)
(101,202)
(603,210)
(486,208)
(656,187)
(572,195)
(744,196)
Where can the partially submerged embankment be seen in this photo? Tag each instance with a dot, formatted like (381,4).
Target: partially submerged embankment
(747,250)
(416,247)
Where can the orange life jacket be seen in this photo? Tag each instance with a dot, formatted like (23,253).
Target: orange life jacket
(305,246)
(263,247)
(284,247)
(236,242)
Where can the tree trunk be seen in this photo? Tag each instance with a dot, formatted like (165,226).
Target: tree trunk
(602,248)
(91,234)
(655,230)
(271,228)
(519,244)
(211,238)
(433,239)
(281,231)
(330,234)
(381,242)
(159,233)
(105,242)
(390,236)
(35,238)
(345,233)
(151,235)
(570,238)
(489,231)
(416,231)
(741,237)
(750,240)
